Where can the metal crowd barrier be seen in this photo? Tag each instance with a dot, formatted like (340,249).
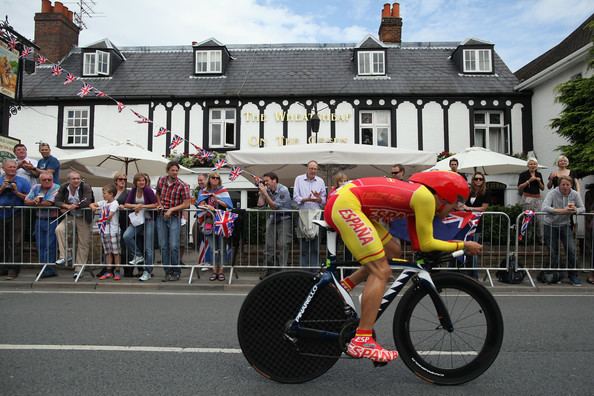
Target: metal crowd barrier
(269,240)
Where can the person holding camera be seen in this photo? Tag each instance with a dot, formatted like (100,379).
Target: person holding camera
(279,226)
(13,190)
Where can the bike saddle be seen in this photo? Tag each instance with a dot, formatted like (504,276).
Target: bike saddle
(323,224)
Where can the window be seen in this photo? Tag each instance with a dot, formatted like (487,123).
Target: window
(374,127)
(76,126)
(208,62)
(489,131)
(222,128)
(95,63)
(477,61)
(371,63)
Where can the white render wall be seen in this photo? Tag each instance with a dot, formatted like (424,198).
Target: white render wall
(406,120)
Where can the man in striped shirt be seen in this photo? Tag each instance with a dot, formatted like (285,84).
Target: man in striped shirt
(173,196)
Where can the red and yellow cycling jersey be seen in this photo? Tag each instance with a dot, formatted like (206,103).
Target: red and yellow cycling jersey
(358,209)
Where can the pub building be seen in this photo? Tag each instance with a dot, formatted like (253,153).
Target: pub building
(381,91)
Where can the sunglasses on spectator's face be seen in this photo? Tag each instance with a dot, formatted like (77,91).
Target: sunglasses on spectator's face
(215,177)
(121,178)
(478,178)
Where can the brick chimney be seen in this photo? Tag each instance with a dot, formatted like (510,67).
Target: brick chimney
(390,30)
(55,31)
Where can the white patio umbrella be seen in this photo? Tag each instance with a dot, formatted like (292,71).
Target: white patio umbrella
(126,156)
(486,161)
(356,160)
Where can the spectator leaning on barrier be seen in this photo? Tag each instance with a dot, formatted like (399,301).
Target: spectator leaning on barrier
(279,226)
(120,180)
(47,162)
(43,196)
(173,196)
(478,201)
(309,193)
(13,190)
(75,197)
(560,204)
(214,197)
(25,166)
(139,236)
(196,232)
(109,230)
(530,184)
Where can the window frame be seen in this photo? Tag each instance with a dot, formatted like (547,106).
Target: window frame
(96,57)
(487,126)
(375,126)
(476,62)
(223,122)
(209,60)
(66,127)
(370,63)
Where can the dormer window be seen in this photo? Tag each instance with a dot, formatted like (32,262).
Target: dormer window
(209,61)
(477,61)
(96,63)
(371,63)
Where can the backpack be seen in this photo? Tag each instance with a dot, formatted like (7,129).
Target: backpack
(511,274)
(549,277)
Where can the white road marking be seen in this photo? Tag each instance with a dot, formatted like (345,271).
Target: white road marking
(114,348)
(445,353)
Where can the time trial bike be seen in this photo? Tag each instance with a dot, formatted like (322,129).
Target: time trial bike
(295,325)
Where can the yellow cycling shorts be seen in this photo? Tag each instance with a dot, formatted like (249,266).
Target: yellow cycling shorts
(365,238)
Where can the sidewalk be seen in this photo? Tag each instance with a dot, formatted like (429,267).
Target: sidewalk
(243,281)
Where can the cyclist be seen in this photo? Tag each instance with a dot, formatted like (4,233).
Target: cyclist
(356,210)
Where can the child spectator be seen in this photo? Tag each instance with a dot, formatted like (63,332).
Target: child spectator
(109,228)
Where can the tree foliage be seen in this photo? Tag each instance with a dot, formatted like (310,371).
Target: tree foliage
(576,121)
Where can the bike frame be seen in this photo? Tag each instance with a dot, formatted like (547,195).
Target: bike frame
(409,270)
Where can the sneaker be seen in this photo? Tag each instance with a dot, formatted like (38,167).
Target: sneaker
(145,276)
(60,261)
(366,347)
(174,277)
(106,275)
(136,260)
(116,276)
(167,278)
(575,281)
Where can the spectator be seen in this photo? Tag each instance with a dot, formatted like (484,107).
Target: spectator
(339,179)
(75,197)
(309,193)
(530,184)
(589,204)
(562,170)
(560,203)
(214,197)
(279,227)
(42,196)
(120,179)
(398,171)
(173,196)
(478,201)
(47,162)
(13,190)
(25,166)
(196,233)
(142,200)
(454,167)
(109,230)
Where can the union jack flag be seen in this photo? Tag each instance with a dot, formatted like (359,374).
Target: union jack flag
(141,119)
(69,79)
(25,52)
(99,93)
(202,250)
(121,107)
(57,70)
(235,172)
(176,141)
(219,164)
(162,131)
(198,148)
(41,60)
(528,216)
(103,219)
(12,43)
(84,91)
(223,222)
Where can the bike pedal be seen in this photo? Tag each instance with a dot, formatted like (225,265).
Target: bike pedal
(379,364)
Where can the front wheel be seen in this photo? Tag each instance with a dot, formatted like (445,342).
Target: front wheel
(263,320)
(439,356)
